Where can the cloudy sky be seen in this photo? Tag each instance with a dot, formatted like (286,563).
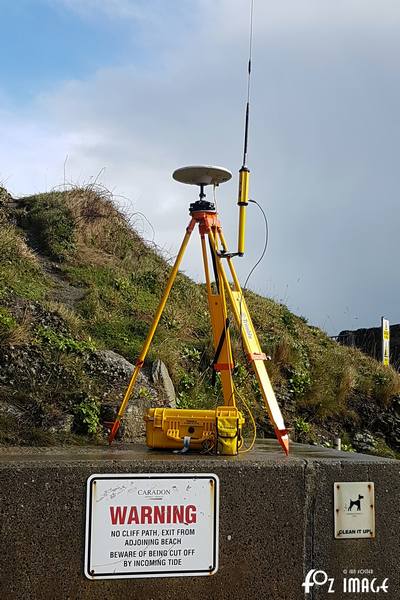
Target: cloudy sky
(129,90)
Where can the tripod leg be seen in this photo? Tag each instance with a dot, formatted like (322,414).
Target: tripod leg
(150,335)
(254,352)
(223,361)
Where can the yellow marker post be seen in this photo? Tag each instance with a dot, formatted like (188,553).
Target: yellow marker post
(385,341)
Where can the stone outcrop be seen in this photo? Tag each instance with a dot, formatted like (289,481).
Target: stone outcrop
(151,390)
(163,383)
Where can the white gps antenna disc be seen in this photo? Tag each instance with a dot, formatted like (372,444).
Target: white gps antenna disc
(202,175)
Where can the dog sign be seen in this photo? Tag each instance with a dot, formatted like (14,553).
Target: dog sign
(354,506)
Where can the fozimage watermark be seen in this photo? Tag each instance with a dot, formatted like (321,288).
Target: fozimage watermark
(354,581)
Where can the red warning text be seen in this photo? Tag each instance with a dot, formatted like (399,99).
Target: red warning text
(152,515)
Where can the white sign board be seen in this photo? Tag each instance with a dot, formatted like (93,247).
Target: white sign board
(151,525)
(354,506)
(385,341)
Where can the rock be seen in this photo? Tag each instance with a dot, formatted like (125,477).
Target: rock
(116,371)
(388,422)
(163,382)
(114,363)
(113,372)
(132,425)
(63,424)
(363,441)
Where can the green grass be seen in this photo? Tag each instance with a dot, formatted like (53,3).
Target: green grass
(20,272)
(61,342)
(122,280)
(7,324)
(50,224)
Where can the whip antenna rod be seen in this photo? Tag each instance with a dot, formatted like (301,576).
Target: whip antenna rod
(244,173)
(246,127)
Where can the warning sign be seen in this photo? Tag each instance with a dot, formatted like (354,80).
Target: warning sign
(151,525)
(354,508)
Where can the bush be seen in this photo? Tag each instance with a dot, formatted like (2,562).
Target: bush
(51,224)
(13,247)
(12,332)
(7,324)
(63,343)
(87,416)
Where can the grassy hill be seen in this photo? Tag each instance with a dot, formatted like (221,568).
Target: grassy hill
(76,278)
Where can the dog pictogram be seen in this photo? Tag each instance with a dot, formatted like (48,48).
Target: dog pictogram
(356,503)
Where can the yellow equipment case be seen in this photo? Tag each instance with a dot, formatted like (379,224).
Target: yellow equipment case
(219,429)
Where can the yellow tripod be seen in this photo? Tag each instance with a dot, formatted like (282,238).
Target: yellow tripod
(220,428)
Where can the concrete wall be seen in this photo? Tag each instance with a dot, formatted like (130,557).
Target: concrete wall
(276,523)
